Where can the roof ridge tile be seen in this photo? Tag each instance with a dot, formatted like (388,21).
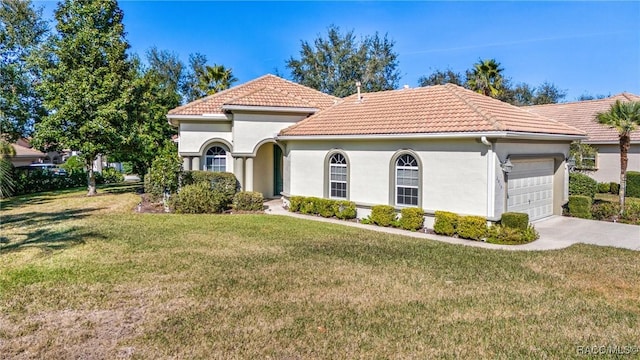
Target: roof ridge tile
(495,123)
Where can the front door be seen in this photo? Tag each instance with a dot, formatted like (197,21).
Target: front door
(277,170)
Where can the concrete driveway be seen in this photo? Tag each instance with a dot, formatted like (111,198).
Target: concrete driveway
(566,231)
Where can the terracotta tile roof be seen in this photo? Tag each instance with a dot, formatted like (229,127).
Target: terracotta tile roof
(582,114)
(267,90)
(434,109)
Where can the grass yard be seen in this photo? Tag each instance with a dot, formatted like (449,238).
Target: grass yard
(89,278)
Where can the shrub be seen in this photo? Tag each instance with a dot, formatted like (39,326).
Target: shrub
(383,215)
(111,176)
(248,201)
(515,220)
(163,174)
(73,164)
(308,205)
(631,212)
(614,188)
(324,208)
(472,227)
(580,206)
(498,234)
(581,184)
(411,218)
(33,181)
(224,184)
(197,198)
(633,184)
(445,223)
(127,167)
(295,202)
(344,209)
(604,188)
(605,210)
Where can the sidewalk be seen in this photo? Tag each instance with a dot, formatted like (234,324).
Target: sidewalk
(553,232)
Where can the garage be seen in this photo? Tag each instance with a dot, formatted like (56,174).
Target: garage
(530,188)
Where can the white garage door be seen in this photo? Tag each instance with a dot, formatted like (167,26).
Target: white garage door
(530,188)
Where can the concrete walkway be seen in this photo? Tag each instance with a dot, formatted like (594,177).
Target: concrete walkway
(556,232)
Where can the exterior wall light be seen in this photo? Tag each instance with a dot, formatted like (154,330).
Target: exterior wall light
(507,166)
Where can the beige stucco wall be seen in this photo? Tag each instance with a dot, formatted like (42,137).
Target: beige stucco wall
(263,170)
(195,135)
(608,162)
(250,129)
(450,170)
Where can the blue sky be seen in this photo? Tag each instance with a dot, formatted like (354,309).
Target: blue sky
(582,47)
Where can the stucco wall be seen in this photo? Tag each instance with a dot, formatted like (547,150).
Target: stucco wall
(608,162)
(194,135)
(250,129)
(454,173)
(263,170)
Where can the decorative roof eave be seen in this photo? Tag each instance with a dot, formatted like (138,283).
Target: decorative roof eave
(278,109)
(449,135)
(175,119)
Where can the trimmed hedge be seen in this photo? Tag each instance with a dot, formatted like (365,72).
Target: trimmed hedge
(515,220)
(248,201)
(581,184)
(604,188)
(580,206)
(383,215)
(342,209)
(295,202)
(614,188)
(35,180)
(224,184)
(605,210)
(499,234)
(411,218)
(445,223)
(308,206)
(472,227)
(197,198)
(631,213)
(324,208)
(633,184)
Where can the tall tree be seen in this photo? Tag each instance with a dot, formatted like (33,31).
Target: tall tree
(439,77)
(203,79)
(519,95)
(22,31)
(85,81)
(548,93)
(625,118)
(486,78)
(335,63)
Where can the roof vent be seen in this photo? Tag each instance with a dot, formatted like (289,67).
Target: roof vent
(406,86)
(358,84)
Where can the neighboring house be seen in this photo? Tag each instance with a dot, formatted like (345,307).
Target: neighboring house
(582,115)
(438,148)
(25,155)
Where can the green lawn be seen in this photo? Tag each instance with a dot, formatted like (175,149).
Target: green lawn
(89,278)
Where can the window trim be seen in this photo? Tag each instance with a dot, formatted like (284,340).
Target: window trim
(393,178)
(327,173)
(215,156)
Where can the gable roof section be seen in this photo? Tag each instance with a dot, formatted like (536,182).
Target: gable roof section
(582,115)
(268,90)
(435,109)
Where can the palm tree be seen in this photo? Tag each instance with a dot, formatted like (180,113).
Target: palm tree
(625,118)
(213,79)
(6,179)
(486,78)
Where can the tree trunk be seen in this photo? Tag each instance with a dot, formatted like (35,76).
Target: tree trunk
(91,182)
(625,143)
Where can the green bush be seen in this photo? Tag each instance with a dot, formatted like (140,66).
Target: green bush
(633,184)
(515,220)
(127,167)
(581,184)
(499,234)
(605,210)
(604,188)
(164,173)
(197,198)
(445,223)
(324,208)
(248,201)
(344,209)
(411,218)
(111,176)
(383,215)
(224,184)
(631,212)
(580,206)
(614,188)
(472,227)
(308,205)
(29,181)
(73,164)
(295,202)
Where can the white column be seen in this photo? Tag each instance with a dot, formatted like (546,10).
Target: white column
(248,174)
(195,163)
(186,163)
(238,170)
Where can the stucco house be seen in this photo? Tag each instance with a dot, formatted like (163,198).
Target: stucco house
(439,147)
(582,115)
(25,155)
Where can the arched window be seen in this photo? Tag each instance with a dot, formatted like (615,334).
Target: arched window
(338,176)
(407,180)
(215,159)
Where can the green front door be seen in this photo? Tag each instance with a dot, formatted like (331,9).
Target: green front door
(277,170)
